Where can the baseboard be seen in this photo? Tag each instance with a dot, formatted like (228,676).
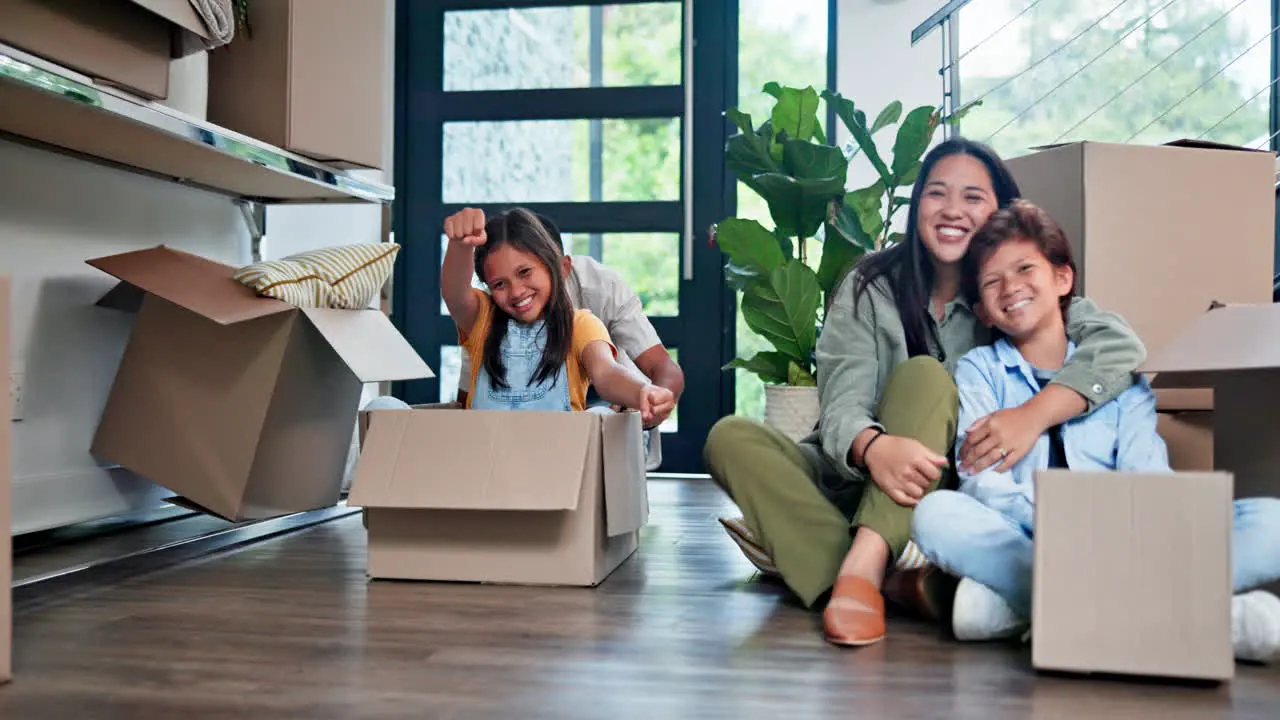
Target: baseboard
(43,502)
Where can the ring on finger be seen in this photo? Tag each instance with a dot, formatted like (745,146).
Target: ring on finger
(1003,453)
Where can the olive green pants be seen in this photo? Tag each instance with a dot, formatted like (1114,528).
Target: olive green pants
(801,508)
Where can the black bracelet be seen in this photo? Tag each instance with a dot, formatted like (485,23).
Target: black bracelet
(867,447)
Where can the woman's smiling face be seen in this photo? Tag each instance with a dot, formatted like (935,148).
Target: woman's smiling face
(957,199)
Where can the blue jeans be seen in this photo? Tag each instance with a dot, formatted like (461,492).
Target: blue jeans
(968,539)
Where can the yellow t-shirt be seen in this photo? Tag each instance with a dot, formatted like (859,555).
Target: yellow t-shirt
(587,328)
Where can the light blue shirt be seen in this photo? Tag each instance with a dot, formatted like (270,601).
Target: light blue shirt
(1118,435)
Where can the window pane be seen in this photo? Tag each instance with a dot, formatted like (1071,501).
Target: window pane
(550,161)
(648,262)
(1142,74)
(791,49)
(536,48)
(673,420)
(450,371)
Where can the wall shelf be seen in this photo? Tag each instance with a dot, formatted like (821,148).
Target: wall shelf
(52,108)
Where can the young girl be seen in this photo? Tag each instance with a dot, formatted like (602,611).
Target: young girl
(528,349)
(1021,276)
(889,343)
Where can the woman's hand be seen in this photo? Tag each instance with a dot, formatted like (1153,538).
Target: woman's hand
(1000,439)
(903,468)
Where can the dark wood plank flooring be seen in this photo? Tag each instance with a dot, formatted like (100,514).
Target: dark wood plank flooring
(291,628)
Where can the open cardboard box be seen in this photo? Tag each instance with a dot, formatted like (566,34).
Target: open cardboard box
(127,43)
(242,404)
(500,496)
(1133,571)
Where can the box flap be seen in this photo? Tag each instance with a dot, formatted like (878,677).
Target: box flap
(626,497)
(473,460)
(1235,337)
(369,344)
(202,286)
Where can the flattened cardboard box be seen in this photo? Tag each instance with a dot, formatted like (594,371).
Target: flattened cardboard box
(243,405)
(6,493)
(1133,574)
(127,43)
(504,497)
(1138,217)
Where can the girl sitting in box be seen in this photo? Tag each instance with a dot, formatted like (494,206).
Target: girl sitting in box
(1021,277)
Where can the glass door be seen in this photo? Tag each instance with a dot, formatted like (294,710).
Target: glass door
(586,113)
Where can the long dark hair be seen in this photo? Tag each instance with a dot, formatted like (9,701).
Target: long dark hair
(523,230)
(906,267)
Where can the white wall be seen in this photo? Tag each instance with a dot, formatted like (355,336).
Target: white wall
(876,64)
(57,212)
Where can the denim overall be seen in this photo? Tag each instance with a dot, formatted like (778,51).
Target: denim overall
(521,351)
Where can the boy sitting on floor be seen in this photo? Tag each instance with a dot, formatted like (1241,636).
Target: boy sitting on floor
(1022,276)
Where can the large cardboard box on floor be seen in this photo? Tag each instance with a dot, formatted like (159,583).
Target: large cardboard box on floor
(308,78)
(1159,232)
(128,43)
(6,493)
(1133,574)
(243,405)
(503,497)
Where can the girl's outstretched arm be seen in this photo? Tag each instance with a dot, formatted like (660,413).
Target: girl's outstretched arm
(465,230)
(618,385)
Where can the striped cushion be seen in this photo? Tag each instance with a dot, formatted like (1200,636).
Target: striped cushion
(347,277)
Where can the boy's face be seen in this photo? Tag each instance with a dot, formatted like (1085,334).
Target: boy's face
(1020,290)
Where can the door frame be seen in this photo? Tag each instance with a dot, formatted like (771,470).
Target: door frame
(703,329)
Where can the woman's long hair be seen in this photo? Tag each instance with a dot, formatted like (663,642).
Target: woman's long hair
(522,230)
(906,267)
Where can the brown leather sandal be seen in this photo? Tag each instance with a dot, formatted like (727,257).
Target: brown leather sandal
(849,625)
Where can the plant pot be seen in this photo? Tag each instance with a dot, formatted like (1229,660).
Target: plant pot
(791,409)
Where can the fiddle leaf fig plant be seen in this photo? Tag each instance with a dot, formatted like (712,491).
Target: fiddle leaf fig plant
(787,161)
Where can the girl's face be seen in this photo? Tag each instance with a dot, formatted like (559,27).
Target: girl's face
(1020,290)
(519,282)
(957,199)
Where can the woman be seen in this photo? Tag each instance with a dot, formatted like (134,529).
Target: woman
(889,344)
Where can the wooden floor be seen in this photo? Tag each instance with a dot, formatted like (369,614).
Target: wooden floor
(290,628)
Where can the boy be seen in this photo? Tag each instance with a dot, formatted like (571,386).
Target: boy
(1020,277)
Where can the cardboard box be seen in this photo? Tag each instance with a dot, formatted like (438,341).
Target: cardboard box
(1234,350)
(243,405)
(503,497)
(310,77)
(6,493)
(1159,232)
(1133,574)
(127,43)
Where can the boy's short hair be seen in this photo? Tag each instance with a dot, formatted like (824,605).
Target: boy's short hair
(1021,220)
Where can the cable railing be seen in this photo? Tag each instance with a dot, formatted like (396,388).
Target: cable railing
(1043,72)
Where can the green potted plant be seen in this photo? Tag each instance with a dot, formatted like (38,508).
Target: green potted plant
(785,290)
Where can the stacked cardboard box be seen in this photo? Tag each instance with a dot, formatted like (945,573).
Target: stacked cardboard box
(1132,571)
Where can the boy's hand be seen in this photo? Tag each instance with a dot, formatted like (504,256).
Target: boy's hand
(903,468)
(1000,439)
(655,405)
(466,226)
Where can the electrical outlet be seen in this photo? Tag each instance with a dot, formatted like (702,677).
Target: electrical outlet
(17,385)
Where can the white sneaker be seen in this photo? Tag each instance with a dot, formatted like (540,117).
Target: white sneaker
(981,614)
(1255,626)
